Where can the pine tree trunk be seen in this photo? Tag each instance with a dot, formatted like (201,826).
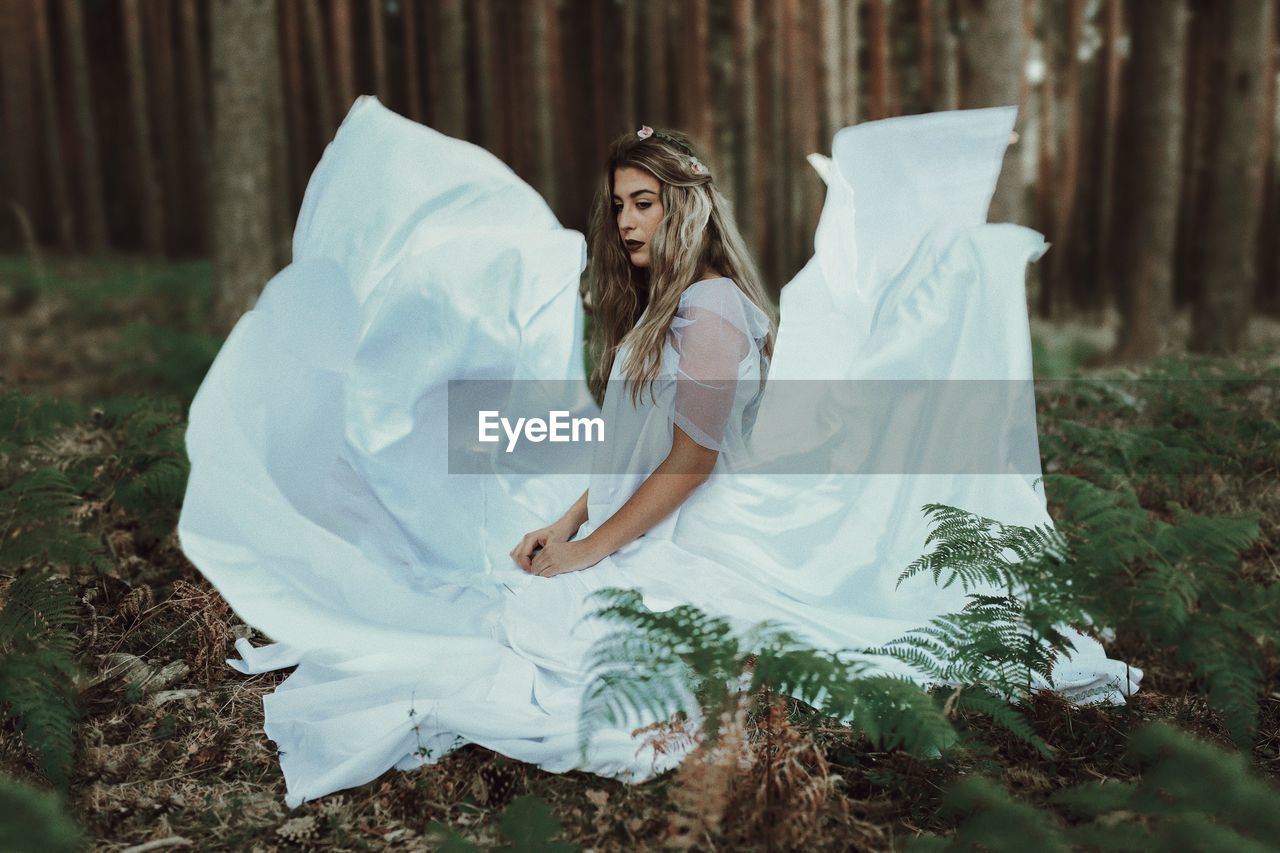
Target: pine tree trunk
(92,196)
(19,154)
(651,53)
(486,75)
(947,62)
(1055,296)
(700,115)
(1149,153)
(631,108)
(1268,291)
(748,200)
(852,30)
(448,37)
(412,71)
(776,154)
(877,60)
(1094,289)
(344,58)
(246,107)
(195,113)
(313,29)
(541,109)
(63,216)
(164,96)
(378,43)
(1224,296)
(1206,21)
(993,54)
(150,199)
(831,50)
(299,148)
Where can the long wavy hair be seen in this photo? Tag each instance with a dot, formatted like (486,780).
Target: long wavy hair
(697,233)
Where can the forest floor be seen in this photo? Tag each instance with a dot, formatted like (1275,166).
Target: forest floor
(170,747)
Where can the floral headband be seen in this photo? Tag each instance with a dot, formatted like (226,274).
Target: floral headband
(695,165)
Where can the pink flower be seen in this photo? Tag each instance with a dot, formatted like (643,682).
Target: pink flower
(644,132)
(696,165)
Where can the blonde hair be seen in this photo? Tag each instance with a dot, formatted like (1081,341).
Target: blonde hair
(697,233)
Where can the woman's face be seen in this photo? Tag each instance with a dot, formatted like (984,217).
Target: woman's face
(637,209)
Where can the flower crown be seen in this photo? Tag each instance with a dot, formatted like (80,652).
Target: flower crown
(695,165)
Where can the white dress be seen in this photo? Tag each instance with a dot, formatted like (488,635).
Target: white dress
(321,503)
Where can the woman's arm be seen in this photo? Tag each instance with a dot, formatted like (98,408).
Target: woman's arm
(686,467)
(574,516)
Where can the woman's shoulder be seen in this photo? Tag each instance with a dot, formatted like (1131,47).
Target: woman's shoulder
(719,286)
(722,296)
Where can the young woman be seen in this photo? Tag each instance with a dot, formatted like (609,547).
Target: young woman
(667,269)
(323,505)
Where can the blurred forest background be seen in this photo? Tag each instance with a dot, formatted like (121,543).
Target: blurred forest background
(153,157)
(1149,153)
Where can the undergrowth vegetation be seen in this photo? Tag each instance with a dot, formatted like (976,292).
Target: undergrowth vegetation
(121,724)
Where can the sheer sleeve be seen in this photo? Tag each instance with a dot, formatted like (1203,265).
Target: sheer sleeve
(712,334)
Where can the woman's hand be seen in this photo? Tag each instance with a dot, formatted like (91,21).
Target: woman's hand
(540,538)
(558,558)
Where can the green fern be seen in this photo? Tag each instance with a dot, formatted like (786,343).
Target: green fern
(1107,561)
(1190,796)
(26,418)
(654,666)
(36,522)
(34,821)
(37,666)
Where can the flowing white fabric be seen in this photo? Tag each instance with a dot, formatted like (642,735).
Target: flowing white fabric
(321,506)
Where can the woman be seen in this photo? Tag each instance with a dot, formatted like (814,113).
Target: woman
(659,229)
(326,506)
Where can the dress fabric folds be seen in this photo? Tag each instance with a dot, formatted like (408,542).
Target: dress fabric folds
(321,504)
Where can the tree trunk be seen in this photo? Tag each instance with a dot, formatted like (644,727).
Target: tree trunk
(1268,292)
(63,216)
(92,196)
(150,200)
(631,107)
(775,154)
(1149,159)
(165,98)
(947,63)
(852,30)
(412,73)
(313,29)
(928,53)
(1094,289)
(1056,294)
(487,108)
(1224,296)
(832,82)
(448,108)
(344,56)
(651,54)
(748,200)
(877,59)
(246,108)
(1206,20)
(698,110)
(378,43)
(993,55)
(19,154)
(541,109)
(299,148)
(195,113)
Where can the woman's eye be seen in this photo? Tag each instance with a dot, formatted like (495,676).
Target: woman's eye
(643,205)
